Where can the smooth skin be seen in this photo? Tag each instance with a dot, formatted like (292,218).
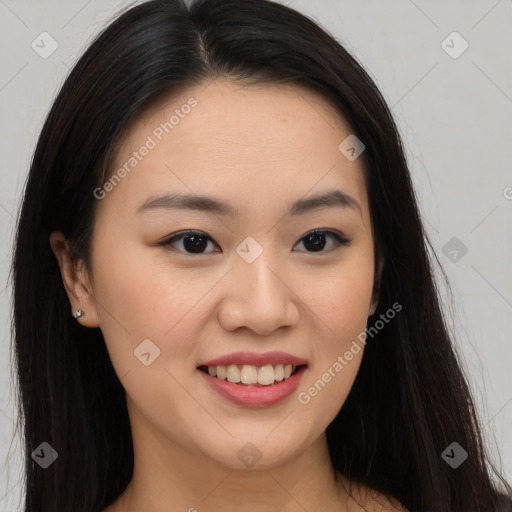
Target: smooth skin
(259,149)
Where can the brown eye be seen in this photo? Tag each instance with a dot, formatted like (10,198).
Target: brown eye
(192,242)
(317,240)
(196,242)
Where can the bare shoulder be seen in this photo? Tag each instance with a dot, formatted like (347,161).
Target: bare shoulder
(370,500)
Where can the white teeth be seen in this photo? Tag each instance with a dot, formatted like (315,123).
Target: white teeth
(221,372)
(279,373)
(266,375)
(249,374)
(233,373)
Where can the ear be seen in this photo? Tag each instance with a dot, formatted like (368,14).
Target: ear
(376,287)
(76,281)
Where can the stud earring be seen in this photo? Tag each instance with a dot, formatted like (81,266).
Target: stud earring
(79,313)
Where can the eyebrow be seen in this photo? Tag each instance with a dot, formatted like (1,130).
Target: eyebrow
(329,199)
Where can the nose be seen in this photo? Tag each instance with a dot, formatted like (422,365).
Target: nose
(258,297)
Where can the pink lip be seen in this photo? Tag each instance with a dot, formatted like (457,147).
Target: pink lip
(254,396)
(254,359)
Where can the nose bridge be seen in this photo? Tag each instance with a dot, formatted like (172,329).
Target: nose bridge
(258,278)
(258,297)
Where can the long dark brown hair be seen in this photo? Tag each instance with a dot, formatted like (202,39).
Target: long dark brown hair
(410,399)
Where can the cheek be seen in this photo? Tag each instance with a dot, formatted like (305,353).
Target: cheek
(139,290)
(140,299)
(340,302)
(336,363)
(340,297)
(141,296)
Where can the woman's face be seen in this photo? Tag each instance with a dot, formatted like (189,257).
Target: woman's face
(252,288)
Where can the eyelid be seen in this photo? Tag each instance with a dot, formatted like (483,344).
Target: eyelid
(342,238)
(180,234)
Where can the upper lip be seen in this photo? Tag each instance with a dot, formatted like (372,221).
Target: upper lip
(254,359)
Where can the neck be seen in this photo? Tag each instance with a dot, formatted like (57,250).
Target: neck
(168,477)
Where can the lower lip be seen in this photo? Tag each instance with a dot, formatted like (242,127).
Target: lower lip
(255,396)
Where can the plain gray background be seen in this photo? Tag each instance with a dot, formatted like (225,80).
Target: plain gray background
(454,112)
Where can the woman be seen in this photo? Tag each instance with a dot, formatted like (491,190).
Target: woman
(223,295)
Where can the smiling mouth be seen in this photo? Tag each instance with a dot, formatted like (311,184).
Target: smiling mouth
(250,375)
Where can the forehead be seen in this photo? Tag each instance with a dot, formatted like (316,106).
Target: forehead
(240,141)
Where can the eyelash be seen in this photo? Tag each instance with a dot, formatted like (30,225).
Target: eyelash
(338,237)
